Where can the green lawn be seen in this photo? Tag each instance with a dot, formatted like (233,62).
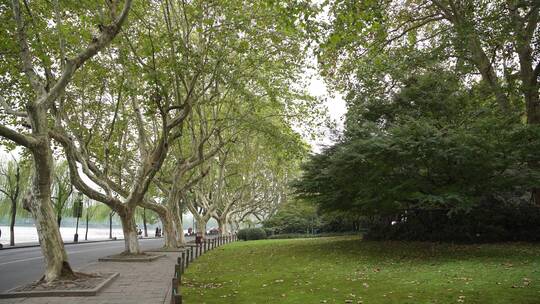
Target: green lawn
(348,270)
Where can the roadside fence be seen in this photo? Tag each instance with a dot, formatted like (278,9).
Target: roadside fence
(189,255)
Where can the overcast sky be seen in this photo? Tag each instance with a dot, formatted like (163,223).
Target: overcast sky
(334,103)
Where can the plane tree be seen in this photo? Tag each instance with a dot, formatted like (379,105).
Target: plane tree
(154,82)
(42,52)
(124,169)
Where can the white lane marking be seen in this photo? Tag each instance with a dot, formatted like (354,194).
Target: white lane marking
(8,252)
(36,258)
(18,261)
(69,252)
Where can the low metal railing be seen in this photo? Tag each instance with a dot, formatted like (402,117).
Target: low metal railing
(188,256)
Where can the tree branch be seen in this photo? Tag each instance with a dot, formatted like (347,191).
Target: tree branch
(26,56)
(97,44)
(10,110)
(20,139)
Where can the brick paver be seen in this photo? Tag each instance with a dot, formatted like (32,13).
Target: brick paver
(141,283)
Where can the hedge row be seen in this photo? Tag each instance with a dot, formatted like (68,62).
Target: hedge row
(249,234)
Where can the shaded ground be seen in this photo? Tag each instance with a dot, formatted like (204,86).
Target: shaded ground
(138,283)
(24,265)
(348,270)
(83,281)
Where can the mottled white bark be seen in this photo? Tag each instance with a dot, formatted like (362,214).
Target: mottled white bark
(201,228)
(178,223)
(223,225)
(170,233)
(166,217)
(40,205)
(175,216)
(129,227)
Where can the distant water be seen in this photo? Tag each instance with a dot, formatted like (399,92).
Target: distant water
(28,234)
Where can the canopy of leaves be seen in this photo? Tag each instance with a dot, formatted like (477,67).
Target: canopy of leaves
(432,146)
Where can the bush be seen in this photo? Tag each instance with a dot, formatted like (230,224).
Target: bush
(291,236)
(269,231)
(303,236)
(249,234)
(293,217)
(491,221)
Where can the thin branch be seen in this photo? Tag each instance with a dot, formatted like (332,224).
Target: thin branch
(10,110)
(26,56)
(98,43)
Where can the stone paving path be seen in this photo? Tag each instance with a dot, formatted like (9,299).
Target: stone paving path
(141,283)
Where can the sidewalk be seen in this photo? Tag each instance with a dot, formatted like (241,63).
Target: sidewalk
(144,283)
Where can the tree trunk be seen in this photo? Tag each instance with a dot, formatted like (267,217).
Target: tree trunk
(52,246)
(86,233)
(178,224)
(129,228)
(176,215)
(144,223)
(532,102)
(222,223)
(169,231)
(12,223)
(110,225)
(231,226)
(201,228)
(58,219)
(40,205)
(166,218)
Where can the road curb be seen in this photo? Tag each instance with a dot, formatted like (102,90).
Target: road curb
(116,258)
(61,293)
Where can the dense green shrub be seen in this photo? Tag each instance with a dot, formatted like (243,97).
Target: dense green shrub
(291,236)
(269,231)
(304,236)
(251,234)
(241,234)
(300,217)
(491,221)
(434,163)
(294,217)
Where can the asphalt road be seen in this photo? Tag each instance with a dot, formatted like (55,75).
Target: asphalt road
(24,265)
